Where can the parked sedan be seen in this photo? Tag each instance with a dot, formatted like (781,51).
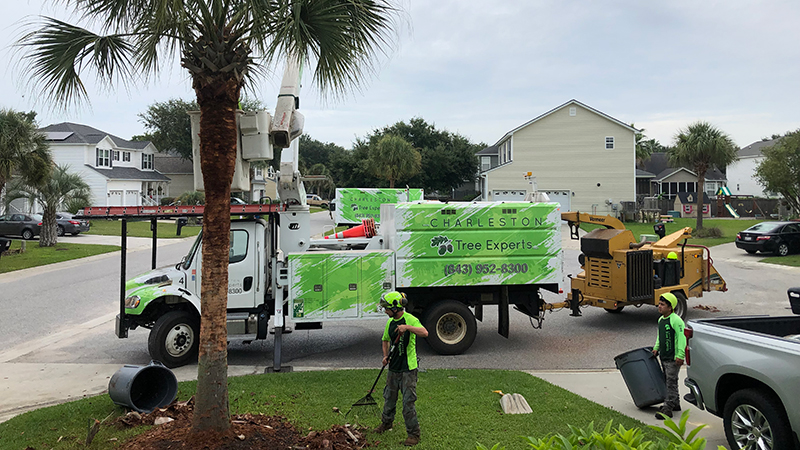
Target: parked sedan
(25,225)
(780,238)
(67,224)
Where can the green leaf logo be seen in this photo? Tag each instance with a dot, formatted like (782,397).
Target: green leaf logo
(445,245)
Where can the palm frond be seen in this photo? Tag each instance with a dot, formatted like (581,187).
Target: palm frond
(58,51)
(343,37)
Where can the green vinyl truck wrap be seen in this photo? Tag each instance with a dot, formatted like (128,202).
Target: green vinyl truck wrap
(453,260)
(355,204)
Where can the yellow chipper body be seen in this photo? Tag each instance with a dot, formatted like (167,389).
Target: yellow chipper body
(617,271)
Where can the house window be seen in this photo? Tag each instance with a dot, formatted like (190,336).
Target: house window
(126,156)
(609,142)
(103,158)
(259,173)
(147,161)
(486,163)
(115,154)
(572,111)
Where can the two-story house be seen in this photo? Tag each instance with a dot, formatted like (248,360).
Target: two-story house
(583,158)
(119,172)
(741,173)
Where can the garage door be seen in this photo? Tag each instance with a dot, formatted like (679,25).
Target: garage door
(114,198)
(500,195)
(562,197)
(131,198)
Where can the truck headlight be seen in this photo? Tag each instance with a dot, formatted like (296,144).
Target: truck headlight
(132,301)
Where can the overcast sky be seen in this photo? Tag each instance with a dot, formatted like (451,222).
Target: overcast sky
(482,70)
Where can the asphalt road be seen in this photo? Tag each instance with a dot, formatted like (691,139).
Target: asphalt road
(59,300)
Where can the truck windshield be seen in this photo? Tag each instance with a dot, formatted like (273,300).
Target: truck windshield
(193,251)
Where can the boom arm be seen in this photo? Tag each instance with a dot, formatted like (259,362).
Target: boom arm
(287,125)
(575,218)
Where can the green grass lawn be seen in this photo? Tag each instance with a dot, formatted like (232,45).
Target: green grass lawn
(38,256)
(729,228)
(791,260)
(456,408)
(141,229)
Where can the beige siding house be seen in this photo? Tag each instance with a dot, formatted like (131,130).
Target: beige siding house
(583,158)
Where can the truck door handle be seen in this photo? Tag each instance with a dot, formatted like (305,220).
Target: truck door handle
(248,283)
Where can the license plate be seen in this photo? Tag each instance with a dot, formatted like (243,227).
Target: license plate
(748,238)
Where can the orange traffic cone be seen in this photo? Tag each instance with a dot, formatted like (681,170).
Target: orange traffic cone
(366,229)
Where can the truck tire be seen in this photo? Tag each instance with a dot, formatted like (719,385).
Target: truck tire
(175,339)
(616,310)
(451,327)
(755,418)
(682,307)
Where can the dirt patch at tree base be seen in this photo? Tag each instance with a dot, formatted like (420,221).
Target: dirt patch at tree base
(248,431)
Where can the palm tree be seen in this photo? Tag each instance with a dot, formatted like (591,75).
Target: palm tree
(393,158)
(221,43)
(702,147)
(23,150)
(57,191)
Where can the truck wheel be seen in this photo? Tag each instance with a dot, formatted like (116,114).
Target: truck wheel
(754,418)
(782,250)
(451,327)
(175,338)
(681,308)
(616,310)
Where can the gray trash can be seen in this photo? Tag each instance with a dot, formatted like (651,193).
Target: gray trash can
(143,388)
(643,376)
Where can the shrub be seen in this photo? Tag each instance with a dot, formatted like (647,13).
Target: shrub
(166,201)
(711,232)
(192,198)
(675,437)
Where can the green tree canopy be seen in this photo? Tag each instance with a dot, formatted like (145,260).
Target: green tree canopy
(57,191)
(169,127)
(448,159)
(23,150)
(779,172)
(702,147)
(646,147)
(393,159)
(223,45)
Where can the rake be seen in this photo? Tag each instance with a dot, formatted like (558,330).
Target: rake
(368,400)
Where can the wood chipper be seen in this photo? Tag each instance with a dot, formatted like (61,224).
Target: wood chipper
(617,271)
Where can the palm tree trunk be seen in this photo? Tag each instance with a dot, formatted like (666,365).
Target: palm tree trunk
(218,103)
(48,237)
(701,190)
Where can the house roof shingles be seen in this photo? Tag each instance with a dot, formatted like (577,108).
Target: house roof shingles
(167,163)
(658,164)
(129,173)
(756,148)
(83,134)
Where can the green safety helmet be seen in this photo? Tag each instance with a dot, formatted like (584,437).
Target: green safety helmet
(672,255)
(393,300)
(670,298)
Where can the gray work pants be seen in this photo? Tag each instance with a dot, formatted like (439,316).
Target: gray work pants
(671,370)
(405,383)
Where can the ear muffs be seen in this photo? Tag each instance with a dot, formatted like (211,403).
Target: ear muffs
(394,299)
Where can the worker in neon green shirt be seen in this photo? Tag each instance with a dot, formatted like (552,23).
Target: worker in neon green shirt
(671,348)
(402,361)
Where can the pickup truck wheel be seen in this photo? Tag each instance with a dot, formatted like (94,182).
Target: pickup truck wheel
(755,418)
(682,307)
(451,327)
(175,338)
(782,250)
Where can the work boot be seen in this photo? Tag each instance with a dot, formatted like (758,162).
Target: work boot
(383,427)
(411,440)
(664,411)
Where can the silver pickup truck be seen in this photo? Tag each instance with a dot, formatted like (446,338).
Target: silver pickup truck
(747,371)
